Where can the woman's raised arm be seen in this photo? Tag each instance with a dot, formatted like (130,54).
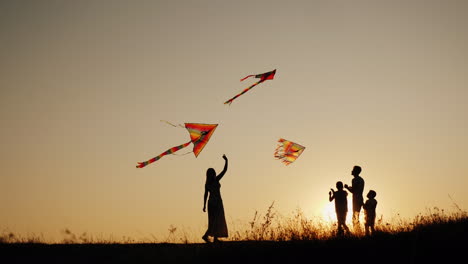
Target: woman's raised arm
(218,178)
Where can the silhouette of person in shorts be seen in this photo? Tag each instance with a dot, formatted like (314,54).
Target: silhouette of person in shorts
(356,188)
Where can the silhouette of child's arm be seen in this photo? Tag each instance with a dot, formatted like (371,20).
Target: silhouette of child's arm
(218,178)
(365,205)
(349,188)
(331,195)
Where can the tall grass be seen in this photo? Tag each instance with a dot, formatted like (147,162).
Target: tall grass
(10,237)
(273,227)
(269,226)
(68,237)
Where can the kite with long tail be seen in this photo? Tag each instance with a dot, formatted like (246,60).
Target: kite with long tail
(263,77)
(199,136)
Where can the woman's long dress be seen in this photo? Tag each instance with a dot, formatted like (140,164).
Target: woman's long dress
(216,221)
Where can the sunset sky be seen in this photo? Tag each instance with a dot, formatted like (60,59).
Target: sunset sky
(84,85)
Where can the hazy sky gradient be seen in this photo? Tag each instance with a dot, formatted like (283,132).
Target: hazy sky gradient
(84,85)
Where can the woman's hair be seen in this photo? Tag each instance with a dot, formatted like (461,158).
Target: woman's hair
(210,175)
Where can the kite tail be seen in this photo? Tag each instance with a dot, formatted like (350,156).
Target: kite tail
(283,158)
(169,151)
(281,152)
(247,77)
(243,92)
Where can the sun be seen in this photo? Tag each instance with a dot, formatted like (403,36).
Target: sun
(328,212)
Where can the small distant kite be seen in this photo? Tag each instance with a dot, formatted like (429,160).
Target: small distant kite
(288,151)
(263,77)
(199,136)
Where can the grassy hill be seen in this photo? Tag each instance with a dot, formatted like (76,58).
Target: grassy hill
(427,239)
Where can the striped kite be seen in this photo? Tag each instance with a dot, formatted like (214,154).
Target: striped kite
(288,151)
(199,136)
(263,77)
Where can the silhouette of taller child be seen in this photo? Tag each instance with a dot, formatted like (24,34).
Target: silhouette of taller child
(216,221)
(341,206)
(356,188)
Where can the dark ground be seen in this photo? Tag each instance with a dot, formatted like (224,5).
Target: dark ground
(437,244)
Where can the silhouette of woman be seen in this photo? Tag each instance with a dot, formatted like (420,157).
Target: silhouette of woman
(216,221)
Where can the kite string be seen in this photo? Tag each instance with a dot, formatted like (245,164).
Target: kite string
(182,154)
(179,125)
(169,123)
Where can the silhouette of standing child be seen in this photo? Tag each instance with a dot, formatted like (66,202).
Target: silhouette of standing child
(216,221)
(369,211)
(341,206)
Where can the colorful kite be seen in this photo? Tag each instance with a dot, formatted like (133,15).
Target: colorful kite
(199,136)
(288,151)
(263,77)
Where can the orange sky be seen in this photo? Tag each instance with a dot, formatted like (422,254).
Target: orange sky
(84,85)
